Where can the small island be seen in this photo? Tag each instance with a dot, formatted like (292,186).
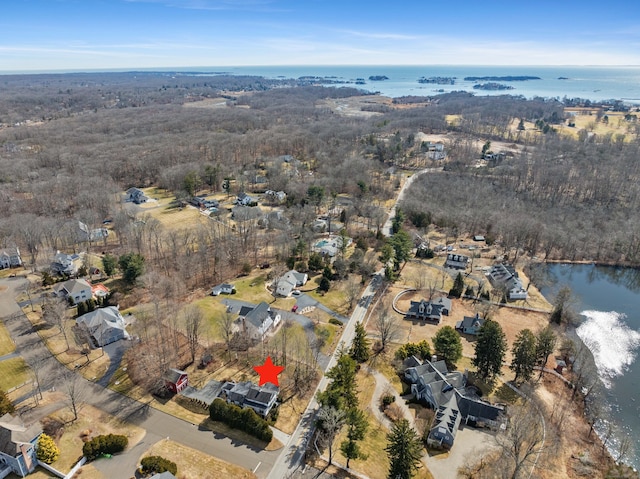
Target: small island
(492,86)
(438,80)
(378,77)
(360,81)
(503,78)
(563,78)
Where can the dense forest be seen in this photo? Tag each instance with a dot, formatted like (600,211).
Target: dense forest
(71,144)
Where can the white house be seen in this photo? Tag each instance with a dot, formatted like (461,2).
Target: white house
(224,288)
(10,258)
(105,325)
(18,446)
(290,281)
(257,321)
(76,289)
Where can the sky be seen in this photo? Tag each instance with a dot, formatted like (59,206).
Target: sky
(49,35)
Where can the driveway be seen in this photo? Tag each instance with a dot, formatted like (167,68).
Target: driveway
(157,424)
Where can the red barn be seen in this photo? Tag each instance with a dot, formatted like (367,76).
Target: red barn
(176,380)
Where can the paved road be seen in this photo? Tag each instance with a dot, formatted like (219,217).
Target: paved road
(157,424)
(292,456)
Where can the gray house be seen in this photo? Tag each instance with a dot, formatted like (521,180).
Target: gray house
(105,325)
(505,276)
(470,324)
(246,394)
(429,310)
(18,446)
(456,261)
(65,264)
(135,195)
(447,393)
(10,258)
(78,290)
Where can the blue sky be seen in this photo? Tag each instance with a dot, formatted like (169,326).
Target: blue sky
(48,35)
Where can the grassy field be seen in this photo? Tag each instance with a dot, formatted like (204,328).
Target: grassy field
(194,464)
(6,343)
(13,372)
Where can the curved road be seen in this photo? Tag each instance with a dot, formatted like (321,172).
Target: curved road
(158,425)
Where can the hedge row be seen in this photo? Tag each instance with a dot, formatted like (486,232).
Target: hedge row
(107,444)
(244,419)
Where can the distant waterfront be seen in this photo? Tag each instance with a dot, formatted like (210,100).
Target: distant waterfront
(589,82)
(608,298)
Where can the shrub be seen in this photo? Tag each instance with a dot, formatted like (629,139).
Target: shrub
(106,444)
(157,465)
(335,321)
(421,350)
(387,400)
(47,451)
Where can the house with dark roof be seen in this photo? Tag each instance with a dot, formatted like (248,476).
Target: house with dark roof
(105,325)
(176,380)
(447,393)
(77,290)
(470,324)
(18,445)
(256,321)
(244,199)
(10,258)
(135,195)
(504,276)
(247,394)
(429,310)
(456,261)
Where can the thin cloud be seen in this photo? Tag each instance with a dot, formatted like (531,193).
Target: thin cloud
(382,36)
(244,5)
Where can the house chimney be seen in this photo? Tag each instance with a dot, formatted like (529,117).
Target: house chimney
(434,358)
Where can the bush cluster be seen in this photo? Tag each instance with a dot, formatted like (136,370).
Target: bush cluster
(335,321)
(244,419)
(421,350)
(106,444)
(157,465)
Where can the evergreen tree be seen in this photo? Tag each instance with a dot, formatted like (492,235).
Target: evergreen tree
(47,451)
(132,266)
(402,246)
(404,450)
(447,344)
(458,286)
(545,344)
(341,391)
(360,346)
(490,349)
(109,264)
(357,425)
(6,406)
(324,285)
(524,355)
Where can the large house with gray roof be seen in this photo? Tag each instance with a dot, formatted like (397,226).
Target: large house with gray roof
(256,321)
(505,276)
(105,325)
(429,310)
(447,393)
(247,394)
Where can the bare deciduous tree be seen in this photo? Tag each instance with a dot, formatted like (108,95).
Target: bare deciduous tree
(523,440)
(386,327)
(54,313)
(75,389)
(330,420)
(193,324)
(225,325)
(352,290)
